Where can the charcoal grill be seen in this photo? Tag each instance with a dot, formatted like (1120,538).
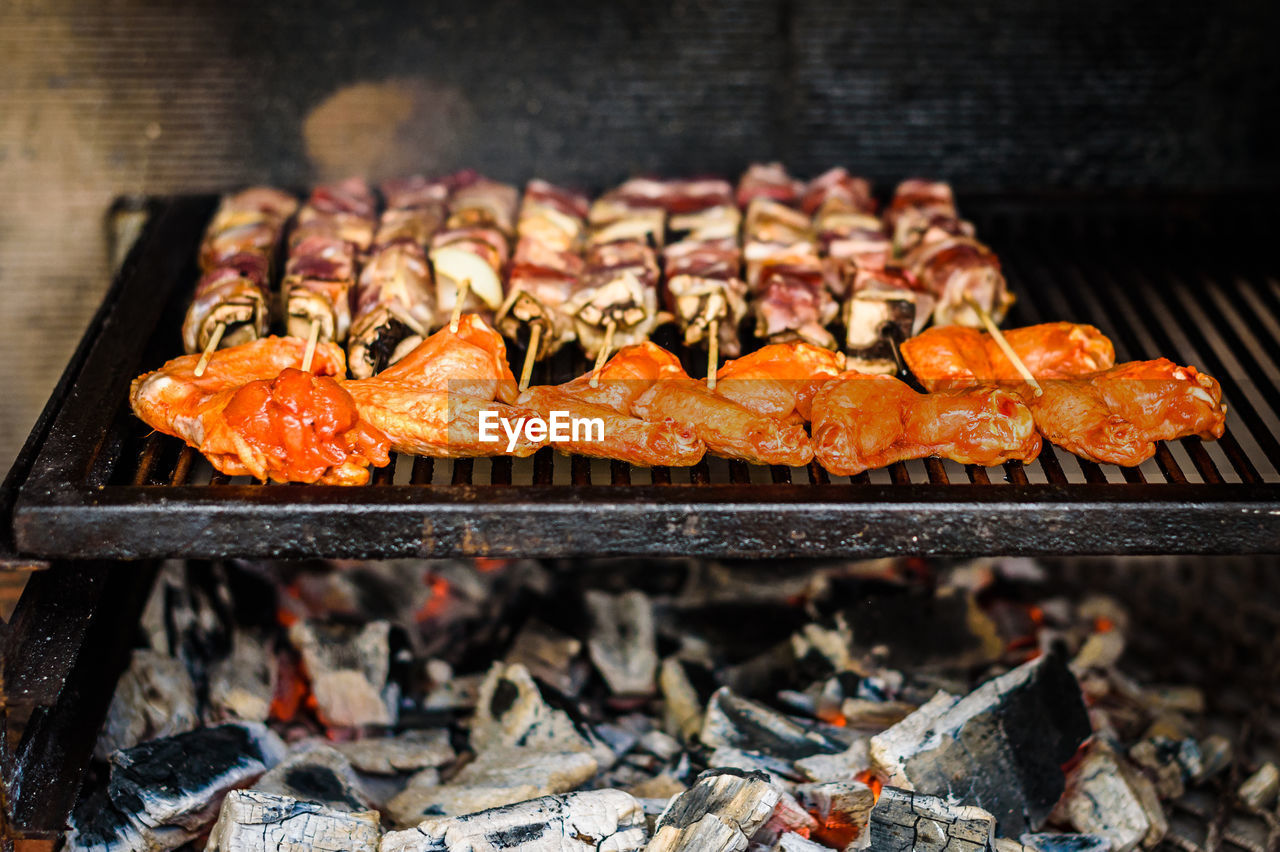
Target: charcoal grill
(1183,278)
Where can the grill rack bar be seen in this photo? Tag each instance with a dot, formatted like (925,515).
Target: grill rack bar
(1158,283)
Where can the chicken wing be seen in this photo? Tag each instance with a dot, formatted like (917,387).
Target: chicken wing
(956,356)
(779,380)
(469,362)
(1116,416)
(639,442)
(862,422)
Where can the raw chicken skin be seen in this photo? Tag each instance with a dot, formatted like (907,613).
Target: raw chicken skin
(955,356)
(779,380)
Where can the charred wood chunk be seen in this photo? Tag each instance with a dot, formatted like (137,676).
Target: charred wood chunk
(903,821)
(499,776)
(317,773)
(155,697)
(1259,789)
(405,752)
(254,821)
(1001,747)
(623,644)
(736,722)
(241,686)
(836,767)
(719,813)
(348,669)
(164,793)
(512,712)
(550,656)
(682,706)
(797,843)
(1065,843)
(593,821)
(842,809)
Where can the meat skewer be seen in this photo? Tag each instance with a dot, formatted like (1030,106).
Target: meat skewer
(704,289)
(790,289)
(334,227)
(234,292)
(395,293)
(545,272)
(475,244)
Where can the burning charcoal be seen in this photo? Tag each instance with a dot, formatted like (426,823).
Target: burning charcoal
(779,771)
(1065,843)
(903,821)
(622,643)
(836,767)
(1106,799)
(681,704)
(874,715)
(593,821)
(788,817)
(663,746)
(253,821)
(499,776)
(550,656)
(242,684)
(735,722)
(316,773)
(154,698)
(511,711)
(719,813)
(842,809)
(1216,755)
(1166,762)
(1001,747)
(164,793)
(405,752)
(1099,651)
(1259,789)
(348,670)
(662,786)
(797,843)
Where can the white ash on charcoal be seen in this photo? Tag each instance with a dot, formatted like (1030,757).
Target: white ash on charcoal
(682,703)
(593,821)
(512,711)
(254,821)
(498,776)
(1259,790)
(903,821)
(836,767)
(780,771)
(1054,843)
(155,697)
(550,656)
(1001,747)
(1108,798)
(721,812)
(242,684)
(164,793)
(732,721)
(407,751)
(1169,763)
(797,843)
(316,772)
(348,670)
(623,643)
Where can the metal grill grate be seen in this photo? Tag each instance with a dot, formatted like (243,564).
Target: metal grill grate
(1178,280)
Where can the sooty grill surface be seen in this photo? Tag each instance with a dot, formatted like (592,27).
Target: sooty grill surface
(1190,280)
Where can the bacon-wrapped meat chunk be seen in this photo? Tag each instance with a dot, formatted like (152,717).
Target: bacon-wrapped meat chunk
(346,210)
(252,412)
(472,254)
(619,285)
(773,231)
(703,275)
(633,212)
(646,381)
(863,422)
(917,206)
(794,302)
(235,295)
(954,269)
(1116,416)
(546,271)
(477,202)
(768,180)
(247,222)
(779,380)
(318,278)
(955,356)
(881,309)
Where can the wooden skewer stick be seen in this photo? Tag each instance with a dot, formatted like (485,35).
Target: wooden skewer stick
(535,337)
(397,311)
(604,351)
(1000,340)
(713,352)
(313,337)
(463,291)
(214,339)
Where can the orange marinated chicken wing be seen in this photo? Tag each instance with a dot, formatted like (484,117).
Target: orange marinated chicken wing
(1116,416)
(469,362)
(955,356)
(863,422)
